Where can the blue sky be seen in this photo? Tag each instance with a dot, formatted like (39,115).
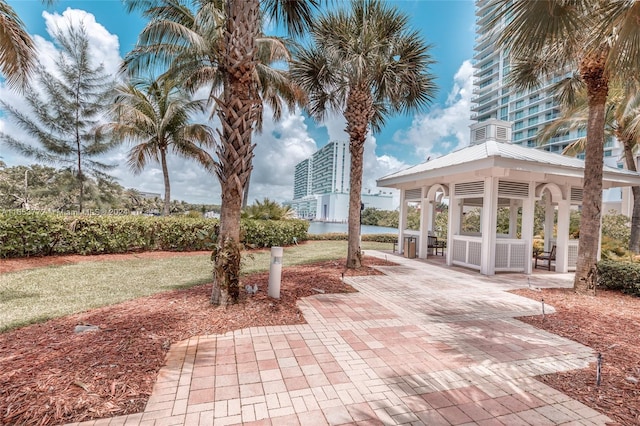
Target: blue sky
(448,25)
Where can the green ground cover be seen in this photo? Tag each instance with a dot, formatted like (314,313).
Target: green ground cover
(40,294)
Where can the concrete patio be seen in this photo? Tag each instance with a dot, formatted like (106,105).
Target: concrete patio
(421,345)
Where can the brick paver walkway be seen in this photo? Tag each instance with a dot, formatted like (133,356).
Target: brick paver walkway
(422,345)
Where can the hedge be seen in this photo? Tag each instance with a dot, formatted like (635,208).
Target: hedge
(339,236)
(27,233)
(616,275)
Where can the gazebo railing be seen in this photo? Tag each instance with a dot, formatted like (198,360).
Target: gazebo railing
(466,251)
(572,258)
(511,255)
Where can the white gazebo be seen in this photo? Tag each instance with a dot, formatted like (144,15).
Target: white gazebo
(489,174)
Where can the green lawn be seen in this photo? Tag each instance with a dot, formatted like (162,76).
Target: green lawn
(36,295)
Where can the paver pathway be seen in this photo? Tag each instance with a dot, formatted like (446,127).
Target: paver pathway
(422,345)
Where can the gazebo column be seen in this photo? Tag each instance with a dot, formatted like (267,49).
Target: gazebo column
(513,218)
(453,225)
(426,226)
(488,226)
(402,220)
(528,214)
(562,240)
(548,222)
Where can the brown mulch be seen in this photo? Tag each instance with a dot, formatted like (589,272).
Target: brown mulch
(610,324)
(50,375)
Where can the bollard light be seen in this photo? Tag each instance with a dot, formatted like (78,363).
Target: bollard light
(275,272)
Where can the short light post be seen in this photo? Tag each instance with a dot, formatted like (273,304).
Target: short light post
(275,272)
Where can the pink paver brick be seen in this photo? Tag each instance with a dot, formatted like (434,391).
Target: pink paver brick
(513,404)
(227,392)
(253,389)
(361,411)
(454,415)
(437,400)
(268,364)
(475,411)
(226,380)
(494,407)
(201,396)
(296,383)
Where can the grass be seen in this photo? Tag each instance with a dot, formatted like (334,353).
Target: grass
(36,295)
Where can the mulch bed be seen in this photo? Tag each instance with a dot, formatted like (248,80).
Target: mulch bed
(51,375)
(610,324)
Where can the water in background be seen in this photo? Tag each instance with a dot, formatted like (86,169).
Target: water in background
(332,227)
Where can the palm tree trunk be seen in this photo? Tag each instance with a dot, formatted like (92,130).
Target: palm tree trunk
(245,193)
(593,74)
(167,188)
(358,113)
(634,241)
(238,112)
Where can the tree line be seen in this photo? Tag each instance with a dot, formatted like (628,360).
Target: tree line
(38,187)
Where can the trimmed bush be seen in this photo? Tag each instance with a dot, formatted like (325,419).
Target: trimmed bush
(335,236)
(26,233)
(269,233)
(624,276)
(338,236)
(380,238)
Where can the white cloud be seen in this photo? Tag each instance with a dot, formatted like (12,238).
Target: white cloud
(374,166)
(443,130)
(104,45)
(279,147)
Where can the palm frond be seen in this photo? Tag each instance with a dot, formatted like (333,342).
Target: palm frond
(17,51)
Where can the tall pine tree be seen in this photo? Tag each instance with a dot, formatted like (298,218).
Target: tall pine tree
(64,107)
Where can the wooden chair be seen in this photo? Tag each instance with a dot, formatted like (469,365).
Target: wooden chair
(547,256)
(433,245)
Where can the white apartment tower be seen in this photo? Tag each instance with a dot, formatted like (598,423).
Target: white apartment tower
(321,186)
(528,111)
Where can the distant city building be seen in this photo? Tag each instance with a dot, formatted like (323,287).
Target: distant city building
(528,110)
(321,186)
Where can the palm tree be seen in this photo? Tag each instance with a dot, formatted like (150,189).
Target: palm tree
(268,210)
(366,63)
(222,46)
(622,111)
(156,116)
(16,47)
(598,39)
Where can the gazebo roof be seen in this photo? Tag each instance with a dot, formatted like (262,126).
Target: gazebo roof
(510,158)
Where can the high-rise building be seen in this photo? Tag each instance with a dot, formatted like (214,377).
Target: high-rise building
(302,179)
(527,110)
(321,186)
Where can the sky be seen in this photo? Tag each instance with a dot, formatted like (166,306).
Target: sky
(447,25)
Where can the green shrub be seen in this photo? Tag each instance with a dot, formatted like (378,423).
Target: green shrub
(334,236)
(616,227)
(25,233)
(339,236)
(380,238)
(624,276)
(268,233)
